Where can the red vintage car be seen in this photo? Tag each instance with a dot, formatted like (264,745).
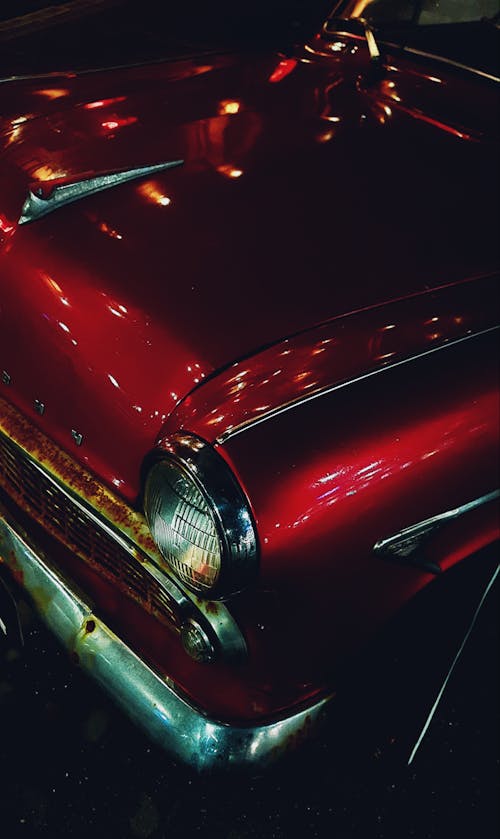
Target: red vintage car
(248,355)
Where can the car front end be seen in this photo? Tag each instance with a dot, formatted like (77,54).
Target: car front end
(248,405)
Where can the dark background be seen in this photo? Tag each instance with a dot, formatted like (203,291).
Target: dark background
(83,34)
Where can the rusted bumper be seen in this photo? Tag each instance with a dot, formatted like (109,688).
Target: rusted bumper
(151,701)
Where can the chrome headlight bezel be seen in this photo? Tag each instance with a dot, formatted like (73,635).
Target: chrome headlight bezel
(229,509)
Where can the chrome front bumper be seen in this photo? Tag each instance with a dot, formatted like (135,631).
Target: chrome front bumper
(150,700)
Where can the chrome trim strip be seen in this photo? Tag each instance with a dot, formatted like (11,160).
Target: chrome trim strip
(301,400)
(36,205)
(449,61)
(224,630)
(152,702)
(404,49)
(404,545)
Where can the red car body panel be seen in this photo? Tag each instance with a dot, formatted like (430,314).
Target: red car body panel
(322,227)
(265,254)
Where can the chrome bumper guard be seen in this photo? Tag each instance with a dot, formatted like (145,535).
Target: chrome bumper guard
(151,701)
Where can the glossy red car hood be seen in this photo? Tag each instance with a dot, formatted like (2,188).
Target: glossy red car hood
(301,197)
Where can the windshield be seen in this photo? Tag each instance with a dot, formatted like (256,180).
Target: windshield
(419,12)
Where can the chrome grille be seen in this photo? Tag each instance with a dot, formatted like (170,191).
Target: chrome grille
(43,500)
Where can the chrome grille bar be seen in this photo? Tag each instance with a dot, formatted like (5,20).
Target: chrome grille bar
(89,537)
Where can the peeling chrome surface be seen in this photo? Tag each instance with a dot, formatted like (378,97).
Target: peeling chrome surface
(406,545)
(38,205)
(150,701)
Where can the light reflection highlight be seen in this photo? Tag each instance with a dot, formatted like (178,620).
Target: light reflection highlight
(101,103)
(52,92)
(109,231)
(283,70)
(48,173)
(228,106)
(230,171)
(325,136)
(153,193)
(119,122)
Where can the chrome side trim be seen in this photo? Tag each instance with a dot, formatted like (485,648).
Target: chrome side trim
(152,702)
(405,546)
(301,400)
(223,629)
(37,205)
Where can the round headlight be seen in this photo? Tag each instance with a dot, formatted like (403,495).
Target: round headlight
(183,525)
(199,518)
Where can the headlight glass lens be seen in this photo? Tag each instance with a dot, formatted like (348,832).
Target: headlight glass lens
(182,525)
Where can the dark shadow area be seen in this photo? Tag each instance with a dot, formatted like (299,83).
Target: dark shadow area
(124,31)
(73,765)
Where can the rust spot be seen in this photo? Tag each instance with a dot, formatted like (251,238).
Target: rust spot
(10,560)
(25,444)
(297,739)
(212,607)
(75,478)
(18,576)
(89,626)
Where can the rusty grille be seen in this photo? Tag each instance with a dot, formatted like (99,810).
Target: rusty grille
(60,516)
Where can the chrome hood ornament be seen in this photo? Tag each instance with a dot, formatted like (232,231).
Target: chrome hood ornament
(39,203)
